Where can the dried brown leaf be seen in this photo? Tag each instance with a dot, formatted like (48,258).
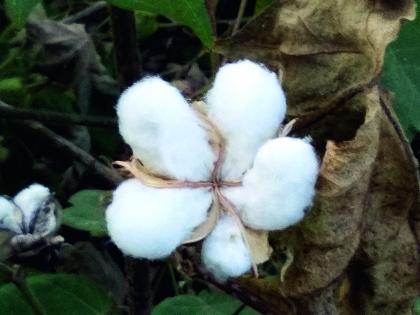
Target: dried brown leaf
(359,234)
(258,245)
(201,231)
(338,44)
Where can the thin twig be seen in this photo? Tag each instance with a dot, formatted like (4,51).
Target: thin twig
(9,112)
(71,149)
(97,6)
(211,8)
(241,11)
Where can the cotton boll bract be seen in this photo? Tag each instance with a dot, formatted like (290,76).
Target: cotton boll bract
(29,200)
(150,223)
(10,216)
(248,105)
(224,252)
(279,187)
(47,218)
(163,131)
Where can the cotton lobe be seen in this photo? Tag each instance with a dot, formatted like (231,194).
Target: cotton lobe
(30,199)
(10,216)
(224,252)
(163,131)
(150,223)
(279,187)
(248,105)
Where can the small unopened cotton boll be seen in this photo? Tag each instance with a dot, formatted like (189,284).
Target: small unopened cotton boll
(279,187)
(10,216)
(30,199)
(248,105)
(163,131)
(150,223)
(224,252)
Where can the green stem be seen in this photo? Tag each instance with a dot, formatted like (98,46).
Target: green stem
(17,276)
(30,297)
(173,279)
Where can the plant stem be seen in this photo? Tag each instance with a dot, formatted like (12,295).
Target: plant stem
(173,279)
(140,294)
(127,56)
(9,112)
(241,11)
(128,65)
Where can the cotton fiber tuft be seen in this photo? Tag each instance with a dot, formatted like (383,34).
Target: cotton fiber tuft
(279,187)
(248,105)
(150,223)
(224,252)
(161,128)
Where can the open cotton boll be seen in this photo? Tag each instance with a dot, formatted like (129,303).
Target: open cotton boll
(10,216)
(248,105)
(150,223)
(30,199)
(163,131)
(279,187)
(224,252)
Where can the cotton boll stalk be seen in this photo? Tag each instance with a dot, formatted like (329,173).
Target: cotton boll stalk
(279,187)
(10,216)
(31,199)
(248,105)
(163,131)
(150,223)
(224,251)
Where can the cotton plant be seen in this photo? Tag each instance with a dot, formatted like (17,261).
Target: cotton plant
(215,170)
(29,221)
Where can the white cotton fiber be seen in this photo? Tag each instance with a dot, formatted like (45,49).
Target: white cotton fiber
(150,223)
(10,216)
(163,131)
(224,252)
(280,185)
(30,199)
(248,105)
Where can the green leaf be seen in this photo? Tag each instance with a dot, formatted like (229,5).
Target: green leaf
(207,302)
(63,294)
(417,306)
(19,10)
(147,24)
(260,5)
(4,152)
(401,74)
(87,212)
(192,13)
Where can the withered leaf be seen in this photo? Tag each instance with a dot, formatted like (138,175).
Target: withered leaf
(258,245)
(338,44)
(70,57)
(201,231)
(360,232)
